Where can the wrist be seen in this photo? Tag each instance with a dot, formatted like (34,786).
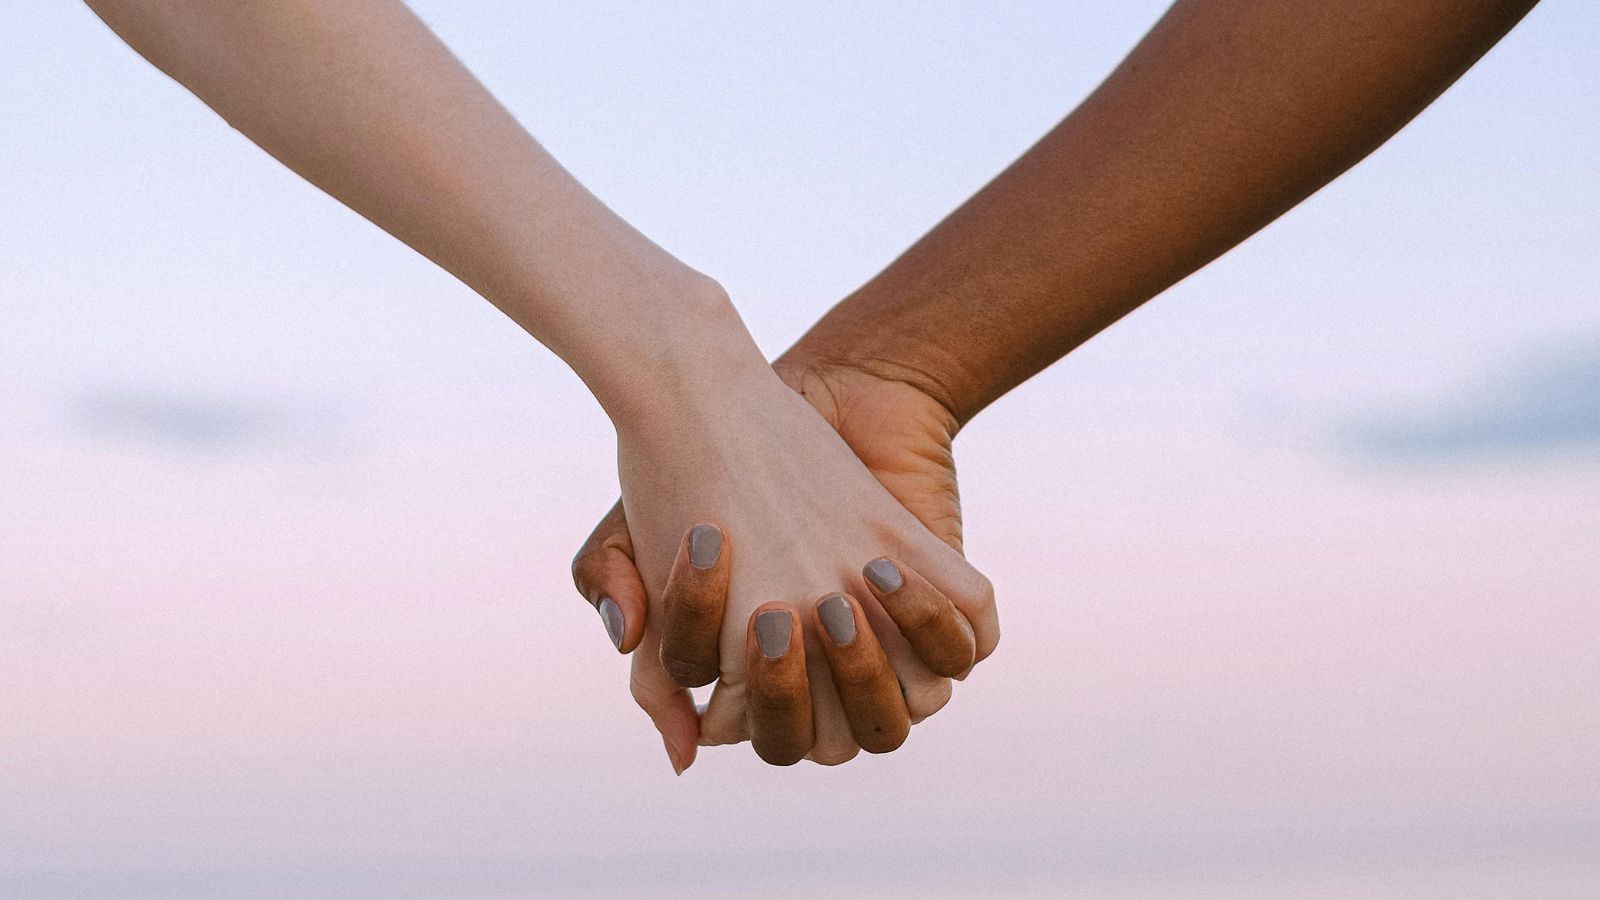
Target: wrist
(690,349)
(854,395)
(843,349)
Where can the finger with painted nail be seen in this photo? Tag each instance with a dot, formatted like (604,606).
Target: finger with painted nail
(605,575)
(779,695)
(692,606)
(868,689)
(937,631)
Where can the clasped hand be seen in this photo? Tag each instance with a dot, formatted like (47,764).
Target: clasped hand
(798,541)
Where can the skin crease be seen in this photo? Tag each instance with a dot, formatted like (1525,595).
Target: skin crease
(1227,114)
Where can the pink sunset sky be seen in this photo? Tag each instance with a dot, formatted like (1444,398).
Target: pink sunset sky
(1299,567)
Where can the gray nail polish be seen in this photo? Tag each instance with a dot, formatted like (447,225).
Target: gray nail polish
(611,615)
(838,619)
(884,575)
(772,633)
(705,546)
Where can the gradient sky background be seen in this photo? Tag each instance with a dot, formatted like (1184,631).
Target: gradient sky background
(1298,566)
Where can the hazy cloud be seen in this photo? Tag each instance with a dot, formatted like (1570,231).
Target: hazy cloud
(1550,403)
(196,421)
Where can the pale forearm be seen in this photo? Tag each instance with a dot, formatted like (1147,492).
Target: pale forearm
(1226,115)
(364,102)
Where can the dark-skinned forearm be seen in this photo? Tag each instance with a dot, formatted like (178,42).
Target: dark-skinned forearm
(1226,115)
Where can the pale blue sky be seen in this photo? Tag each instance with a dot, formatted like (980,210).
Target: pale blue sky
(1296,564)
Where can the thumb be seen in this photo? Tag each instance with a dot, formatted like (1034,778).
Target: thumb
(669,705)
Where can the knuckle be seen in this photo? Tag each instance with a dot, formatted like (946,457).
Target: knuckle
(943,645)
(777,692)
(924,697)
(688,672)
(949,663)
(918,616)
(856,673)
(686,602)
(990,642)
(720,737)
(985,592)
(645,693)
(834,753)
(775,702)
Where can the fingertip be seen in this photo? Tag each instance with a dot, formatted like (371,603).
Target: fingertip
(703,545)
(776,755)
(681,758)
(624,588)
(883,575)
(670,708)
(611,616)
(835,618)
(772,629)
(607,578)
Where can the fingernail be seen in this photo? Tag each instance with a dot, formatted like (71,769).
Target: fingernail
(884,575)
(772,633)
(838,619)
(672,757)
(705,546)
(611,615)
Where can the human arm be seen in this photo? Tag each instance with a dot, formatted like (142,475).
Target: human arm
(363,101)
(1226,115)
